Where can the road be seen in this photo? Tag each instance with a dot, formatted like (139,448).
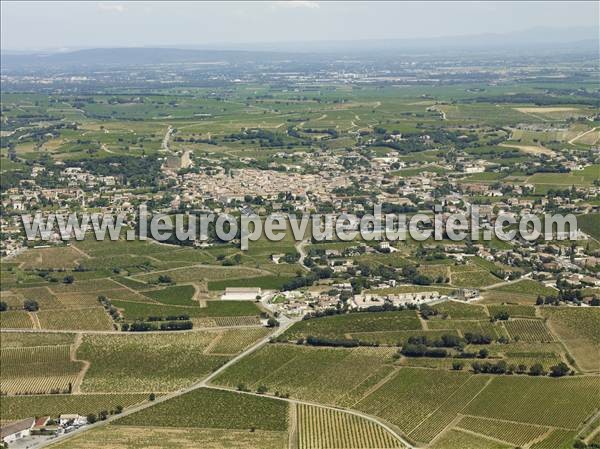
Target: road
(579,136)
(165,142)
(285,324)
(300,248)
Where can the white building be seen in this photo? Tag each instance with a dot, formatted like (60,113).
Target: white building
(16,430)
(74,419)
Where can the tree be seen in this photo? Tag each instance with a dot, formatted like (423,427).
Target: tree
(31,305)
(103,415)
(91,418)
(457,365)
(68,279)
(272,322)
(483,353)
(559,370)
(537,370)
(152,397)
(3,306)
(262,389)
(118,409)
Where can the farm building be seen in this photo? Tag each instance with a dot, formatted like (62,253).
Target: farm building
(74,419)
(17,430)
(241,293)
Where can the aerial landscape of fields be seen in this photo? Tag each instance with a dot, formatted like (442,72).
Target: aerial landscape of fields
(138,340)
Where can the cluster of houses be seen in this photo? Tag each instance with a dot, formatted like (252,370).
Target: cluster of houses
(41,426)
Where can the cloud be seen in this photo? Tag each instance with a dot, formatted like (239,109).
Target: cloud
(297,4)
(111,7)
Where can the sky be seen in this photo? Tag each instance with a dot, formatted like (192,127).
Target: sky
(68,25)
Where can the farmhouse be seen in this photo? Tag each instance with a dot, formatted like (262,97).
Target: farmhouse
(241,293)
(16,430)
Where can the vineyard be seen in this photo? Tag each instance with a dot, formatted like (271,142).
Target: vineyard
(513,310)
(321,428)
(92,318)
(449,409)
(19,407)
(456,439)
(411,396)
(15,319)
(146,362)
(578,329)
(461,311)
(562,402)
(511,432)
(338,326)
(117,436)
(236,340)
(528,330)
(206,408)
(317,374)
(37,370)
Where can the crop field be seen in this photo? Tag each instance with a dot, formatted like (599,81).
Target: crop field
(455,439)
(31,339)
(511,432)
(38,370)
(396,402)
(526,287)
(322,375)
(578,329)
(20,407)
(15,319)
(337,326)
(463,326)
(236,340)
(321,428)
(138,437)
(141,311)
(178,295)
(461,311)
(428,429)
(88,319)
(207,273)
(564,402)
(146,362)
(61,257)
(475,277)
(513,310)
(209,408)
(528,330)
(397,338)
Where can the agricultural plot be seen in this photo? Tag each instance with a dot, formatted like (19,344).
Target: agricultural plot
(178,295)
(24,406)
(53,257)
(323,375)
(563,402)
(137,437)
(513,310)
(463,326)
(337,326)
(398,402)
(398,338)
(528,331)
(321,428)
(146,362)
(207,273)
(32,339)
(511,432)
(471,277)
(209,408)
(558,439)
(236,340)
(15,319)
(577,328)
(456,439)
(38,370)
(461,311)
(525,289)
(88,319)
(448,410)
(141,311)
